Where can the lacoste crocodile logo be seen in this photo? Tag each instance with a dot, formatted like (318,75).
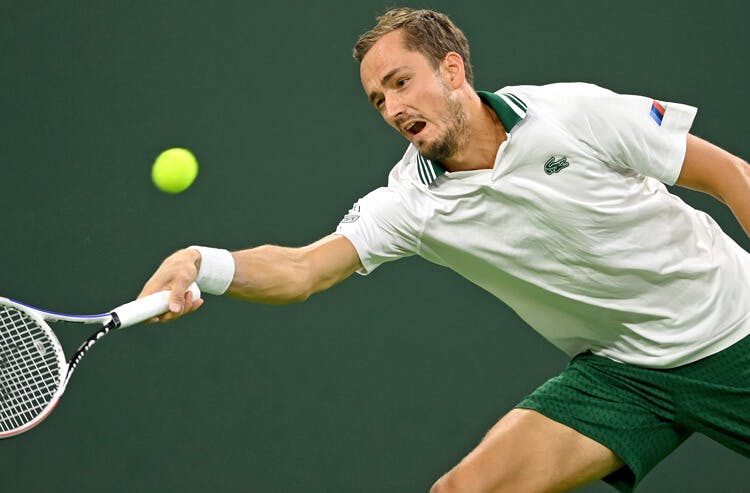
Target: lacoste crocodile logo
(554,165)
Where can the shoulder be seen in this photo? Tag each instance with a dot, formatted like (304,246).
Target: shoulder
(572,107)
(556,89)
(559,104)
(558,97)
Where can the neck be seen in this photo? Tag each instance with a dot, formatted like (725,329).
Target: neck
(484,135)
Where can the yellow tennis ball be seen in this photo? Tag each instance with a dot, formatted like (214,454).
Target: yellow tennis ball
(174,170)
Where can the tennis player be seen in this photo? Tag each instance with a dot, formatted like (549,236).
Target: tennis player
(551,198)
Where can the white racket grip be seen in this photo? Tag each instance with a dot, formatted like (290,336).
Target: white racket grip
(150,306)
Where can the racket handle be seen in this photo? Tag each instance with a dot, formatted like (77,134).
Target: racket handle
(150,306)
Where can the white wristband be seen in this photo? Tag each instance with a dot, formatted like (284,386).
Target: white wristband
(216,271)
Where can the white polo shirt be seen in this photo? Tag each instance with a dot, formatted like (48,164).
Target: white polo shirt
(572,228)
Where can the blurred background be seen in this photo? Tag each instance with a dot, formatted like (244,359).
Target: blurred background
(380,384)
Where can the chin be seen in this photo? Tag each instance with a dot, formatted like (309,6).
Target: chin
(423,145)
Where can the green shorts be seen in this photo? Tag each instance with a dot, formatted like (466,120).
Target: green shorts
(643,414)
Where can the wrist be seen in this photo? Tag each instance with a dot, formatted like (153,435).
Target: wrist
(215,269)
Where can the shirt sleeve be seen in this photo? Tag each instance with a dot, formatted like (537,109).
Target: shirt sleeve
(640,133)
(380,228)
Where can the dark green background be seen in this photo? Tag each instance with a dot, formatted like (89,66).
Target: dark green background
(380,384)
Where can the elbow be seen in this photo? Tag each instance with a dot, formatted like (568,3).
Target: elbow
(303,284)
(279,297)
(299,297)
(735,189)
(308,284)
(293,292)
(744,168)
(298,289)
(730,185)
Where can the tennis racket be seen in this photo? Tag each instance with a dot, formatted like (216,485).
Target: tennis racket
(33,371)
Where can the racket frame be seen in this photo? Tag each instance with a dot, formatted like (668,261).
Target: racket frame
(123,316)
(41,317)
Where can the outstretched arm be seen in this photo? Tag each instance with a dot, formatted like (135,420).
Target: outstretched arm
(265,274)
(710,169)
(279,275)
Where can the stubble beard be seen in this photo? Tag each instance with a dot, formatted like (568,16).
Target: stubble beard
(455,135)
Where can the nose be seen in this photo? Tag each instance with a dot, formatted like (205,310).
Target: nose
(393,107)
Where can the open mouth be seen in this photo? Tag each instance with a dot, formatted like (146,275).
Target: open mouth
(415,127)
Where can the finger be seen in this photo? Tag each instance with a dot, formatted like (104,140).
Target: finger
(191,304)
(180,299)
(197,304)
(188,305)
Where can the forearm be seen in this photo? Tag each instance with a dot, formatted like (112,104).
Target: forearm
(278,275)
(270,274)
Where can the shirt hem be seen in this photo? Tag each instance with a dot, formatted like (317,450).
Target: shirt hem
(740,332)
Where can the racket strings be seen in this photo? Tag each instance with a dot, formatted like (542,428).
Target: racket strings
(29,369)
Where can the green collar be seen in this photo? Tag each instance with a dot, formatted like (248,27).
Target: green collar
(509,108)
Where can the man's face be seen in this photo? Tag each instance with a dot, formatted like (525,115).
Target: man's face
(413,97)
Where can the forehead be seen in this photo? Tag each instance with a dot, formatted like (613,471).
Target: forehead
(387,54)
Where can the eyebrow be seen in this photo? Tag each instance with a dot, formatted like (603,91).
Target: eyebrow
(384,80)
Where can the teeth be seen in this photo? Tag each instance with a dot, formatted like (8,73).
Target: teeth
(408,127)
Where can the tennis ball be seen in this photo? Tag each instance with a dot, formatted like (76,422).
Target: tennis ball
(174,170)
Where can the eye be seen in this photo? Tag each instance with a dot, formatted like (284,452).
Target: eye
(378,103)
(402,81)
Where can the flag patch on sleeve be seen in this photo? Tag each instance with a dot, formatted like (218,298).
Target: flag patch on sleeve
(657,112)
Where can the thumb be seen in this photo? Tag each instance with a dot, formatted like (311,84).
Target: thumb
(177,300)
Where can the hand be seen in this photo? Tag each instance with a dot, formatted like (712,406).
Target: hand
(175,274)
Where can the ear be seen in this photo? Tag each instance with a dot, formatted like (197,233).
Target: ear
(452,69)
